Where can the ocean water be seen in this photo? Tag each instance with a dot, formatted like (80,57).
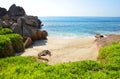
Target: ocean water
(80,27)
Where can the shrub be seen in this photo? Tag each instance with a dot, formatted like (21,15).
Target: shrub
(4,31)
(6,48)
(110,56)
(0,27)
(17,42)
(28,68)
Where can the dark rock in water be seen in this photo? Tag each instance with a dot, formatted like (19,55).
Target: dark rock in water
(3,12)
(108,40)
(99,36)
(42,24)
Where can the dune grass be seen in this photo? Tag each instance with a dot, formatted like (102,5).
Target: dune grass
(27,68)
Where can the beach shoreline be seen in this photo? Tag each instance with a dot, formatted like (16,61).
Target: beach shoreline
(65,50)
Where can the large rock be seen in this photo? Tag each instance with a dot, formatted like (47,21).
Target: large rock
(34,35)
(5,17)
(32,21)
(15,12)
(42,34)
(1,23)
(27,26)
(10,17)
(17,28)
(3,11)
(28,42)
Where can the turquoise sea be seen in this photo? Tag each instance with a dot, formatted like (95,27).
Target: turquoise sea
(80,27)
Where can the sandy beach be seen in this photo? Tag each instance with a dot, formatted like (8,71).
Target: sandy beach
(65,50)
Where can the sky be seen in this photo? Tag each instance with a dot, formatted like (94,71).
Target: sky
(67,7)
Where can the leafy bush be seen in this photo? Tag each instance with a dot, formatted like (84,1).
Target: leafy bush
(6,48)
(17,42)
(0,27)
(28,68)
(4,31)
(110,56)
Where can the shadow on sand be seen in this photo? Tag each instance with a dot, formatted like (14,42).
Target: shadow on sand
(35,43)
(38,43)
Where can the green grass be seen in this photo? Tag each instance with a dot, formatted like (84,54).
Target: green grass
(27,68)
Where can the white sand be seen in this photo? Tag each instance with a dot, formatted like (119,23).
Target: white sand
(64,50)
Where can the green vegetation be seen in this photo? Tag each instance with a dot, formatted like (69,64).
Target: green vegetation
(110,56)
(28,68)
(9,42)
(6,48)
(0,27)
(4,31)
(17,42)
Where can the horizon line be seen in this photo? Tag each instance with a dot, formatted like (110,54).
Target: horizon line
(78,16)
